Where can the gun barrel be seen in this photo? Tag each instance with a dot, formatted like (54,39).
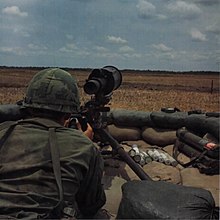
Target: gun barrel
(120,150)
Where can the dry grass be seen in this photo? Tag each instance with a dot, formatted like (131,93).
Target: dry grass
(139,91)
(154,100)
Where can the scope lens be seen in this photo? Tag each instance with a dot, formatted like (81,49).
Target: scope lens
(92,87)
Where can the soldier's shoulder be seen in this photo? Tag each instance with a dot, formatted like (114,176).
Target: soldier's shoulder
(73,134)
(6,124)
(76,140)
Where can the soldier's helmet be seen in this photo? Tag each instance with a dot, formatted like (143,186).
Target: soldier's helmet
(53,89)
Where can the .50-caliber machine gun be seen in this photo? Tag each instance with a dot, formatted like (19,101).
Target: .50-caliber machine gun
(100,85)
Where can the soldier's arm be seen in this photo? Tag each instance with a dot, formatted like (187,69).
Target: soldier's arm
(91,196)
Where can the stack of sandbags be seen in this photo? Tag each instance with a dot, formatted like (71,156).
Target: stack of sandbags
(158,128)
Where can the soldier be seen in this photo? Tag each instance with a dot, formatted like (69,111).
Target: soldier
(48,170)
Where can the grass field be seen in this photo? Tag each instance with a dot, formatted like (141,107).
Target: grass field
(142,91)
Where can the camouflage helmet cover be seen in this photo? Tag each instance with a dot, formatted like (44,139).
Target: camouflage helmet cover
(53,89)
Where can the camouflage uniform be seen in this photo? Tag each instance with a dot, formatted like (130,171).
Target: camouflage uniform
(28,187)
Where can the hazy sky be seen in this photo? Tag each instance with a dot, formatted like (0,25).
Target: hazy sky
(129,34)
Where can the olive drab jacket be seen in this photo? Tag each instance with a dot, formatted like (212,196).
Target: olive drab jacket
(28,186)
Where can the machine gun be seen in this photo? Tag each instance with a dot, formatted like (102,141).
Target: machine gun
(100,85)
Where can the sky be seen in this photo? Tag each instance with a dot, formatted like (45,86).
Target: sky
(173,35)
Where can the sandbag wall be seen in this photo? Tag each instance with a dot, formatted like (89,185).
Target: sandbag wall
(158,128)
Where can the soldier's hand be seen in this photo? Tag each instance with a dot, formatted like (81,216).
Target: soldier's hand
(89,131)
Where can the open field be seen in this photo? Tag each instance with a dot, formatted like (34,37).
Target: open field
(142,91)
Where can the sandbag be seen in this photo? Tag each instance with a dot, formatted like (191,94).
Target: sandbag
(158,136)
(163,200)
(202,124)
(169,120)
(160,119)
(130,118)
(192,177)
(10,112)
(124,133)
